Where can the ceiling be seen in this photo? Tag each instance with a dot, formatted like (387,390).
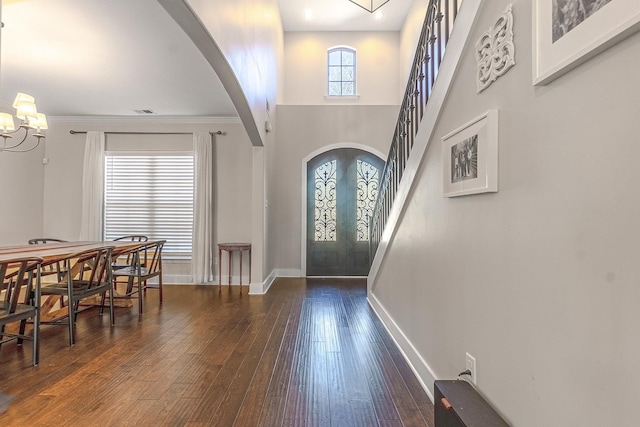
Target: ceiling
(341,15)
(111,58)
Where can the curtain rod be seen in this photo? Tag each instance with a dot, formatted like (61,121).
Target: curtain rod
(74,132)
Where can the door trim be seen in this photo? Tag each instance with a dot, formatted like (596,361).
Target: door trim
(303,204)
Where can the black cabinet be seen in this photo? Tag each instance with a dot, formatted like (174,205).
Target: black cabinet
(457,404)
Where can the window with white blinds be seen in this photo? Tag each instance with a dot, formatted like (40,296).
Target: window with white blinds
(150,194)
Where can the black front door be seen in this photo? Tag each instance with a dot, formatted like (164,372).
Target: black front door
(342,186)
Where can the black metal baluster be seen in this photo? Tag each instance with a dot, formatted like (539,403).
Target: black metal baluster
(429,53)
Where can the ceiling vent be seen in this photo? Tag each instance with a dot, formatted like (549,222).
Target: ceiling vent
(144,111)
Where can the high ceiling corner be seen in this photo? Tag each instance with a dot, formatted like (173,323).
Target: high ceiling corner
(116,57)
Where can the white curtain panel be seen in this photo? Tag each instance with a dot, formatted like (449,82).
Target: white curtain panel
(92,187)
(202,267)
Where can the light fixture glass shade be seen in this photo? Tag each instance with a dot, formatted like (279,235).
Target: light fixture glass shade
(370,5)
(26,110)
(6,122)
(40,122)
(23,97)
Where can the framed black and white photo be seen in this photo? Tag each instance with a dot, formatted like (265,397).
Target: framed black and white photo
(470,157)
(567,33)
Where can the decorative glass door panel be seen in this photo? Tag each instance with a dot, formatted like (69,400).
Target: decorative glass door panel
(342,186)
(325,198)
(368,177)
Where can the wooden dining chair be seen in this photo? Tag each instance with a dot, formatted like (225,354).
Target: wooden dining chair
(147,263)
(126,259)
(20,285)
(41,240)
(89,274)
(51,269)
(133,238)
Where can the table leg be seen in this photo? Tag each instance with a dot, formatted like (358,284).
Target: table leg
(249,266)
(240,271)
(230,264)
(219,270)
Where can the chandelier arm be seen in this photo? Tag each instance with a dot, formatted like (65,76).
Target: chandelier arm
(12,148)
(24,138)
(22,151)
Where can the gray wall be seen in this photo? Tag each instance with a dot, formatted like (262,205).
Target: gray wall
(303,130)
(538,281)
(308,122)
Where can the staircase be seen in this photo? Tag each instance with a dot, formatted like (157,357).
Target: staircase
(431,75)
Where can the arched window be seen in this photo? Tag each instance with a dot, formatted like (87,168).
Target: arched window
(341,71)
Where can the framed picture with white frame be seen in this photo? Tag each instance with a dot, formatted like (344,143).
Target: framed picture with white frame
(470,157)
(566,33)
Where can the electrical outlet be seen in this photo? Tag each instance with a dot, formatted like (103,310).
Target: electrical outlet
(471,366)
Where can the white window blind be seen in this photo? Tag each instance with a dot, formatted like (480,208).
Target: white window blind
(150,195)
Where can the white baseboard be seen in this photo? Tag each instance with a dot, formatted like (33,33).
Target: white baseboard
(235,280)
(174,279)
(184,279)
(262,288)
(418,365)
(287,272)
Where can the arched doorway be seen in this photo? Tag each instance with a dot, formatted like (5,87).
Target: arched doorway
(342,186)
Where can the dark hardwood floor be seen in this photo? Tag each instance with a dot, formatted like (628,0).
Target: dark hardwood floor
(310,352)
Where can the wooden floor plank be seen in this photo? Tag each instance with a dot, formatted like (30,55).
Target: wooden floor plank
(309,353)
(253,400)
(231,404)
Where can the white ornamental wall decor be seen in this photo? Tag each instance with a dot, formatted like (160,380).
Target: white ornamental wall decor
(495,51)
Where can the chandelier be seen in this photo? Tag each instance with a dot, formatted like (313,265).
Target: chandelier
(31,124)
(370,5)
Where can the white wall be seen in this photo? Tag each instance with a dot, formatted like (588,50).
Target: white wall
(377,77)
(538,281)
(21,189)
(249,34)
(409,36)
(63,175)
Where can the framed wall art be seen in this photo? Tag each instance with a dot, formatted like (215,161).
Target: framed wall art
(470,157)
(567,33)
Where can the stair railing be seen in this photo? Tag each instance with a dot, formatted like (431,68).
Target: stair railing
(434,36)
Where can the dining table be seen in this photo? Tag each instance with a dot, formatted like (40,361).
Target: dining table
(60,251)
(55,251)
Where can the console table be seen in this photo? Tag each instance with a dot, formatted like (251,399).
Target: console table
(231,248)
